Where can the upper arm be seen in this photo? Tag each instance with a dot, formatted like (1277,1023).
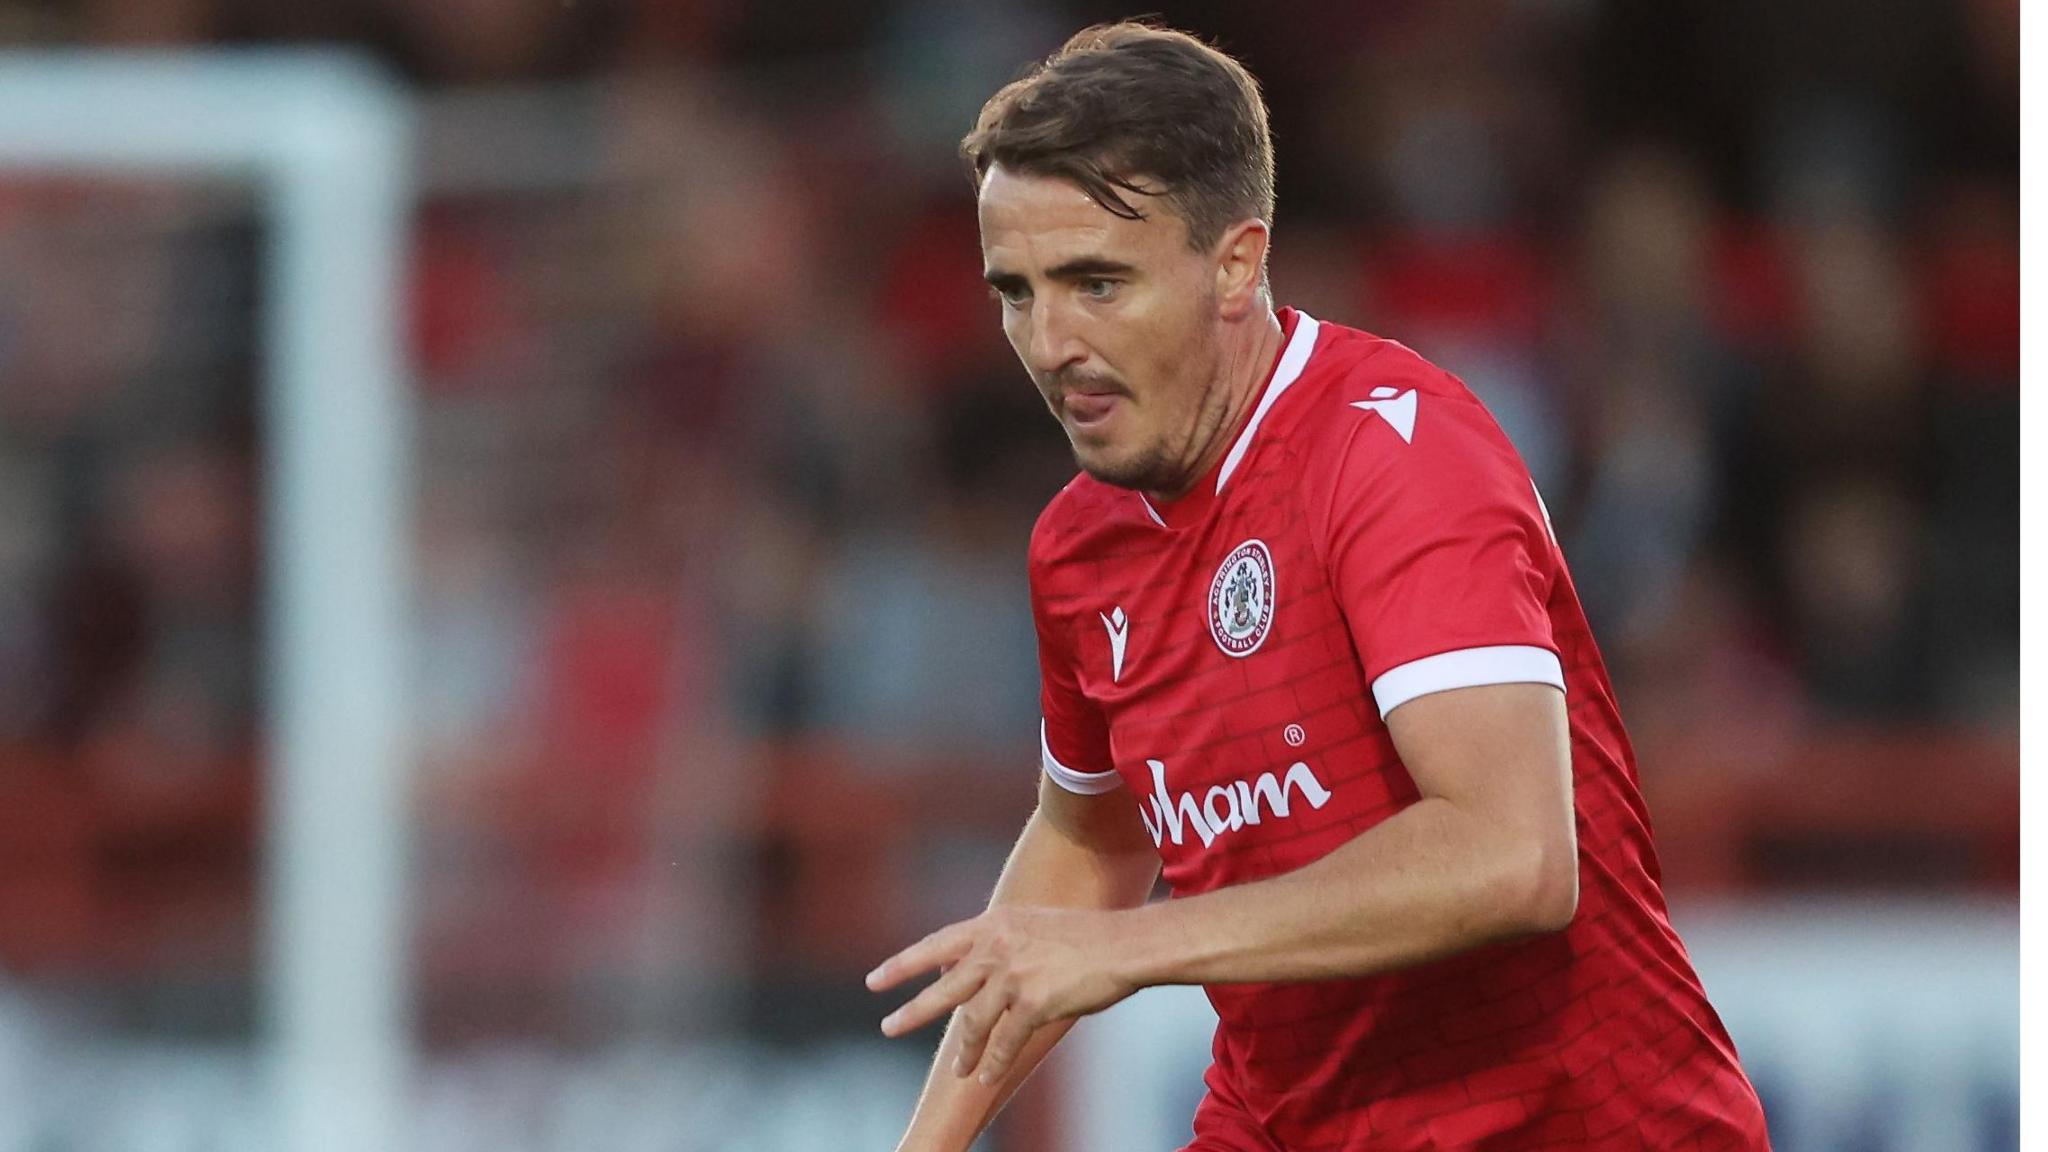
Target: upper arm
(1106,823)
(1094,845)
(1073,733)
(1441,554)
(1501,754)
(1438,547)
(1500,750)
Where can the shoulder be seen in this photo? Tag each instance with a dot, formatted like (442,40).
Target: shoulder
(1078,513)
(1362,393)
(1379,435)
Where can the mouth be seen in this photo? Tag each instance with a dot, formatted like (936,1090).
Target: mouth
(1087,410)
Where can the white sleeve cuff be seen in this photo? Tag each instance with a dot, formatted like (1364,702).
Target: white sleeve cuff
(1086,783)
(1466,668)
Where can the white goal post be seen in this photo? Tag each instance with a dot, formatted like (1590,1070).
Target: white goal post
(324,138)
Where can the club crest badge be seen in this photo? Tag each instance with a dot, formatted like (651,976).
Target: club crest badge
(1241,599)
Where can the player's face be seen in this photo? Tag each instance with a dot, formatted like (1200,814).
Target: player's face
(1115,319)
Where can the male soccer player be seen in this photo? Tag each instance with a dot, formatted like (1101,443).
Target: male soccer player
(1307,640)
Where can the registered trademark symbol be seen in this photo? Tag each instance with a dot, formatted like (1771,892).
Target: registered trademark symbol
(1294,735)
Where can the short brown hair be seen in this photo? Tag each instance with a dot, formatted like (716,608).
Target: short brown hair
(1123,103)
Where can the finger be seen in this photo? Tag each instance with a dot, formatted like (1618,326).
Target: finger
(940,948)
(940,997)
(974,1021)
(1005,1041)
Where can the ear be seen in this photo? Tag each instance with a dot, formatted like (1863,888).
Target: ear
(1240,255)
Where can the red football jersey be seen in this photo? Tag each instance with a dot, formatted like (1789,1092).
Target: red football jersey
(1229,660)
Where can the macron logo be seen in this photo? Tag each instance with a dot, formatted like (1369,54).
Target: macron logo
(1396,406)
(1119,631)
(1226,807)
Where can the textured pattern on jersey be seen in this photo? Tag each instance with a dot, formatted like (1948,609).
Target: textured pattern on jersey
(1385,550)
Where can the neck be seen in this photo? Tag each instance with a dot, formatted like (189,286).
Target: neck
(1250,348)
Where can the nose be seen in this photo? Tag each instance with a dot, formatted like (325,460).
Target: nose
(1051,346)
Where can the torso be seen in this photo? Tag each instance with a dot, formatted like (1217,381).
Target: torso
(1240,719)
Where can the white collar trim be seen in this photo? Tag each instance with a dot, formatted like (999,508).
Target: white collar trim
(1292,361)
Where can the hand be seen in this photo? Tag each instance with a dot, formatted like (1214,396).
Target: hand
(1008,971)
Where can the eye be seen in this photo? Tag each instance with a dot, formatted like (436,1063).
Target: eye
(1014,296)
(1098,288)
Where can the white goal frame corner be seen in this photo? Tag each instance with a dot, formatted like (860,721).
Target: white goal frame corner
(325,139)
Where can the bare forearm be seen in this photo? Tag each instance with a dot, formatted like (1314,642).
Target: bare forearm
(1048,868)
(1429,882)
(954,1109)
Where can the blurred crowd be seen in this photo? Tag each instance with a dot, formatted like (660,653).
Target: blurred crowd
(726,472)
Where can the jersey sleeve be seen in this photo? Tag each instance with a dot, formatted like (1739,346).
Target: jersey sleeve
(1439,548)
(1074,734)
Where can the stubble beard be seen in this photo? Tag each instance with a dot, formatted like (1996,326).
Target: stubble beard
(1149,470)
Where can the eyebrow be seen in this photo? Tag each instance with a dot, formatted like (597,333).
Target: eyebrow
(1084,268)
